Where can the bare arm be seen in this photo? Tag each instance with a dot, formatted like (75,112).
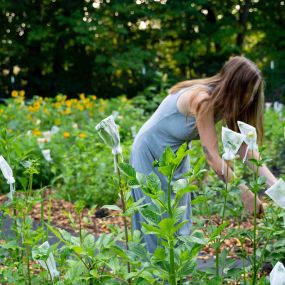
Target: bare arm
(208,136)
(262,170)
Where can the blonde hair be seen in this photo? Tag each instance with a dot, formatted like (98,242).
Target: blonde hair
(236,93)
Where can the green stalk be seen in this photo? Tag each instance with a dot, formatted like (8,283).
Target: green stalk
(222,221)
(254,228)
(172,277)
(124,208)
(254,242)
(49,272)
(28,264)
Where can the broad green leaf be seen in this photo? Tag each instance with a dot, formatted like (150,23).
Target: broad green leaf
(127,169)
(151,214)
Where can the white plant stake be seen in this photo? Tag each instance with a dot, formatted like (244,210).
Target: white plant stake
(48,262)
(231,143)
(108,131)
(277,275)
(250,137)
(54,130)
(278,107)
(46,155)
(8,174)
(277,193)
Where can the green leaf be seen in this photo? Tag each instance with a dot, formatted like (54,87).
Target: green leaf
(153,182)
(181,153)
(199,200)
(127,169)
(141,178)
(151,214)
(217,231)
(167,157)
(165,170)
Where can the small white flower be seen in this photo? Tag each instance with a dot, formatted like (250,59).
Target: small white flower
(74,126)
(48,262)
(8,174)
(277,193)
(38,122)
(46,155)
(277,275)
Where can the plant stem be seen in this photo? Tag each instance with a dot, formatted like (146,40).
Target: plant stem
(124,209)
(255,226)
(49,272)
(28,264)
(222,221)
(172,277)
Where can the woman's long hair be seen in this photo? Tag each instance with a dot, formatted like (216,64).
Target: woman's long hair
(236,94)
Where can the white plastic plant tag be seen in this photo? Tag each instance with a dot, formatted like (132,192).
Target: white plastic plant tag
(277,193)
(277,275)
(231,142)
(41,142)
(250,136)
(278,107)
(46,155)
(268,105)
(8,174)
(109,133)
(54,130)
(115,114)
(134,131)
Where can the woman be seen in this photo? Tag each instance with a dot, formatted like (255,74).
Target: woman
(190,112)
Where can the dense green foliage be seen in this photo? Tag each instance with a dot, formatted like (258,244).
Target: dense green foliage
(109,48)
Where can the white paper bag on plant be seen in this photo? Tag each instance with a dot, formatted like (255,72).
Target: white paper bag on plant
(109,133)
(231,143)
(277,275)
(250,136)
(8,174)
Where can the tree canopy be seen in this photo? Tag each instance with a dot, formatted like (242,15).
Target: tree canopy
(114,47)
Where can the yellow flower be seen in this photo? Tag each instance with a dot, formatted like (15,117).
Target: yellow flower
(68,103)
(67,111)
(82,96)
(14,93)
(94,97)
(57,122)
(66,134)
(80,107)
(22,93)
(37,132)
(1,111)
(82,135)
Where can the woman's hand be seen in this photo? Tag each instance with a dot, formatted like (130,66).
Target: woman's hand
(248,201)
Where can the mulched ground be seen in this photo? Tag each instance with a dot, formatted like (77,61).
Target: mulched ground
(61,212)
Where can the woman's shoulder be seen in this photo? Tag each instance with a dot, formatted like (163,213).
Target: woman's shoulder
(189,101)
